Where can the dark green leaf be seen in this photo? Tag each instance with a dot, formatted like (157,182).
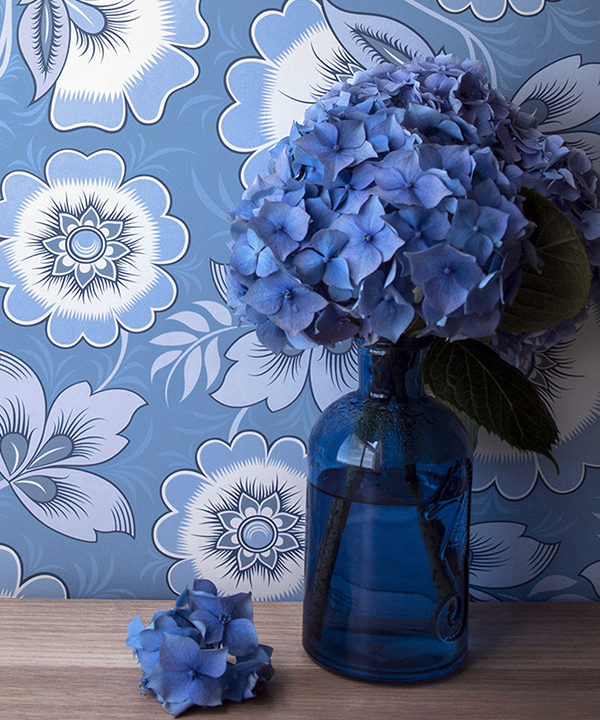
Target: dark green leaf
(471,377)
(562,287)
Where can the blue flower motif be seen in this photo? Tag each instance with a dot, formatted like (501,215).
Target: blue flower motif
(186,653)
(187,674)
(100,58)
(494,9)
(370,239)
(299,58)
(248,501)
(259,373)
(84,249)
(36,586)
(42,451)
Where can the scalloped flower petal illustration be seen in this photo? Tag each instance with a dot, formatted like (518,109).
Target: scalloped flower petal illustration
(84,248)
(568,378)
(36,586)
(110,55)
(239,519)
(259,374)
(490,10)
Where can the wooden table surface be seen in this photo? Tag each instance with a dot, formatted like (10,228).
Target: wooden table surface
(67,660)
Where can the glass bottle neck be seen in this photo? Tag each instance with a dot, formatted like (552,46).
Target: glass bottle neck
(388,370)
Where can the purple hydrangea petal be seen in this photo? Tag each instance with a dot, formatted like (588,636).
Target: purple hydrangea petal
(240,636)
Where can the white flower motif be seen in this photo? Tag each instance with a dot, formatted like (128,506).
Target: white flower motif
(564,95)
(240,520)
(83,248)
(99,57)
(37,586)
(279,378)
(300,58)
(305,48)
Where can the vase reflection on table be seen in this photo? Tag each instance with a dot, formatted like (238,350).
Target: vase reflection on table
(387,526)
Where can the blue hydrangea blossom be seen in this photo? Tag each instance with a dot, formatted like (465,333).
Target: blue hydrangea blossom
(397,206)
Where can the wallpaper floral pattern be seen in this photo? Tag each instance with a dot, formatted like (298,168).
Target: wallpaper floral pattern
(144,437)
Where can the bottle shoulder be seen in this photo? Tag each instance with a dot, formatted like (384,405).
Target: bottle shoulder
(422,429)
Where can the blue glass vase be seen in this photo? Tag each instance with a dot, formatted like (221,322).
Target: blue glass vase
(386,561)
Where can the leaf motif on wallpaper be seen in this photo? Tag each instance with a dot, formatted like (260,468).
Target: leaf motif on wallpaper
(88,19)
(592,573)
(373,39)
(197,350)
(42,451)
(44,35)
(218,273)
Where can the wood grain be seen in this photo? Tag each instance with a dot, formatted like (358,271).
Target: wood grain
(67,660)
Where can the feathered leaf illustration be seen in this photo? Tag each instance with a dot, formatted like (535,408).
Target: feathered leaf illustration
(218,272)
(373,39)
(44,35)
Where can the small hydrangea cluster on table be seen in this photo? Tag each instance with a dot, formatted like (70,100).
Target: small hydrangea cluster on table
(186,653)
(398,206)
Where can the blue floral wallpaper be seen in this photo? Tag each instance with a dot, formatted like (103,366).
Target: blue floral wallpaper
(144,437)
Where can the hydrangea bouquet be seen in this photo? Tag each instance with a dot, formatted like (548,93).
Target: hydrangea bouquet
(415,201)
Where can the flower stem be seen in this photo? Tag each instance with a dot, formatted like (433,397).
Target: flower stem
(328,552)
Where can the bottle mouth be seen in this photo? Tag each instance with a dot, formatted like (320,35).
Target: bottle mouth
(403,343)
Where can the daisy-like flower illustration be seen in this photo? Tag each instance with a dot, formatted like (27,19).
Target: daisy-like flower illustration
(490,10)
(84,249)
(240,519)
(99,57)
(42,451)
(13,585)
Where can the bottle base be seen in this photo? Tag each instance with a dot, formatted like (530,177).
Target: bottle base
(407,676)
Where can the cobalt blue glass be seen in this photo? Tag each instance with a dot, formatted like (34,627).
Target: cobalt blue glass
(386,561)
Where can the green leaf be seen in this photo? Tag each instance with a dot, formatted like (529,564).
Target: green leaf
(471,377)
(562,287)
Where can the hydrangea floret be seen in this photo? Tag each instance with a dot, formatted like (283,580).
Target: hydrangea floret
(201,652)
(416,200)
